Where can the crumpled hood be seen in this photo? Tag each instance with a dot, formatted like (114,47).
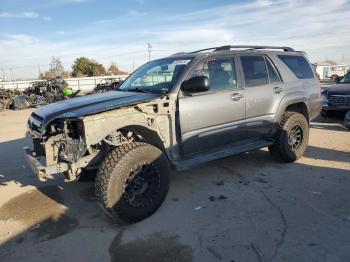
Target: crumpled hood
(338,89)
(90,104)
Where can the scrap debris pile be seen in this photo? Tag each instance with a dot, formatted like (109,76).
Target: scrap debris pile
(39,93)
(44,92)
(6,95)
(107,84)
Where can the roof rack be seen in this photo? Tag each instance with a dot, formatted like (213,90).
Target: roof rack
(179,53)
(250,47)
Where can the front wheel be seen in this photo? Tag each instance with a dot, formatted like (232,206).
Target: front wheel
(292,137)
(133,181)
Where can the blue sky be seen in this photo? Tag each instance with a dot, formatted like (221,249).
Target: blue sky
(33,31)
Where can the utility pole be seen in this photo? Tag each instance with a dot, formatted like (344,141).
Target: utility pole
(149,49)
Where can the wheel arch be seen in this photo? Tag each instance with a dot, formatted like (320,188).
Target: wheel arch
(146,135)
(295,102)
(299,107)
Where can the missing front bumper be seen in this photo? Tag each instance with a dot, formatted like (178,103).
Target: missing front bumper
(43,172)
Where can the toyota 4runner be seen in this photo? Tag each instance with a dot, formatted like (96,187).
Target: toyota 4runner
(176,113)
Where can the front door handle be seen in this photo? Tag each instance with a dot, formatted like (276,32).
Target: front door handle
(277,90)
(236,96)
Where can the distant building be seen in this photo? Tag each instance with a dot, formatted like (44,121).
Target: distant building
(322,70)
(337,70)
(326,71)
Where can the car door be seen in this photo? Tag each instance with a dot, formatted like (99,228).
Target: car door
(264,91)
(216,117)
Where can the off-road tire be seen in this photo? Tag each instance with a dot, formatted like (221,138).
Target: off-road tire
(281,149)
(114,176)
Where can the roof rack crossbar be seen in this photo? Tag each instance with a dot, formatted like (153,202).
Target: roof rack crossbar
(229,47)
(201,50)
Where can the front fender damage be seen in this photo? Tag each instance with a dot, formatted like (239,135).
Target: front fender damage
(83,144)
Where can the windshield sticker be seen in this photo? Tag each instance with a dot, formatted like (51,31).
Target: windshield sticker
(181,62)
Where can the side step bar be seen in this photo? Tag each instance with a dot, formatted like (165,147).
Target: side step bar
(198,159)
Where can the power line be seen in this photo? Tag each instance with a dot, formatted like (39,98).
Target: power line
(101,57)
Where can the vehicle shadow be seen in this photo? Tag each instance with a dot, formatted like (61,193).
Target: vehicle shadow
(238,209)
(335,123)
(327,154)
(33,212)
(13,166)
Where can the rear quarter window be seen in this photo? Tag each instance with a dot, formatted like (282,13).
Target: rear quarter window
(298,65)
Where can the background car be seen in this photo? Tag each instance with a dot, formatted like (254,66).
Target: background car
(336,98)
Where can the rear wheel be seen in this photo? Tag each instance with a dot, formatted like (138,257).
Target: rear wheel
(291,138)
(133,181)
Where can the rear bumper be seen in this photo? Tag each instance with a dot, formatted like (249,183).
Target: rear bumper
(41,171)
(315,108)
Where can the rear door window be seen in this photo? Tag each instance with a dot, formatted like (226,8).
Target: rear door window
(298,65)
(254,70)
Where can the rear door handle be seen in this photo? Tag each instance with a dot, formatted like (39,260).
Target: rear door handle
(277,89)
(236,96)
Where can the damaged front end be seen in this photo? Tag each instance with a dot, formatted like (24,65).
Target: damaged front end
(59,148)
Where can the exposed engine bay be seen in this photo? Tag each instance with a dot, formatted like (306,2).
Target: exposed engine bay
(70,145)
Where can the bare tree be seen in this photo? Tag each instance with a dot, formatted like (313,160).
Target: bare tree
(56,69)
(56,66)
(113,69)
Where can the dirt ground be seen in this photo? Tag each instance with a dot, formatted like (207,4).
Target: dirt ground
(242,208)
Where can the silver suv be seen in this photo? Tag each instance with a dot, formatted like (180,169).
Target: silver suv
(175,113)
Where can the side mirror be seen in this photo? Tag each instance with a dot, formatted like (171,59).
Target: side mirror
(196,84)
(336,79)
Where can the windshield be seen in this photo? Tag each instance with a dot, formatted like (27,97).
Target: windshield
(157,76)
(346,78)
